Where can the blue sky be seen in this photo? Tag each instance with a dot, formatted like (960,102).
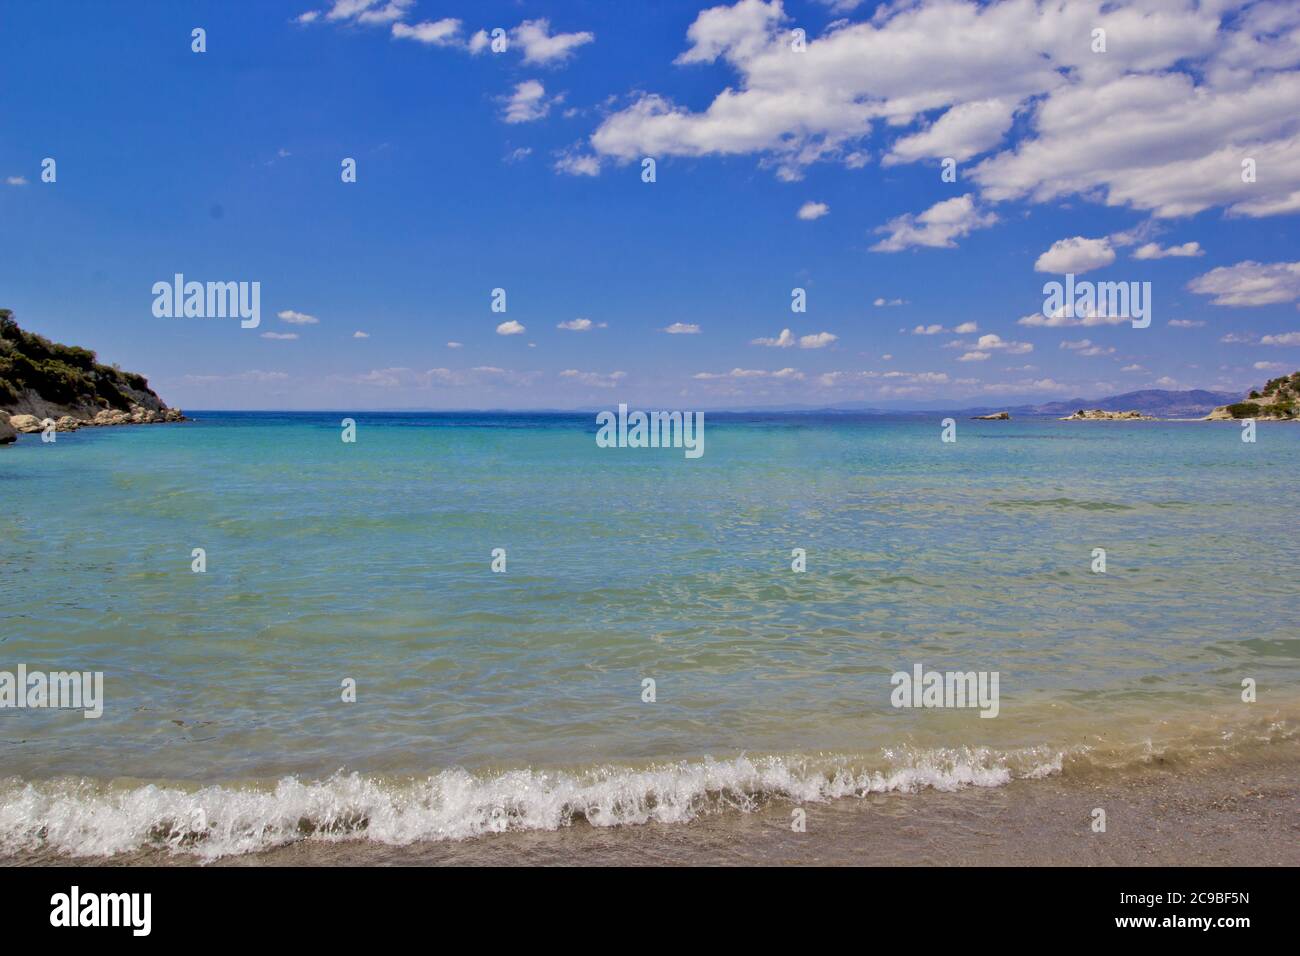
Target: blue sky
(522,170)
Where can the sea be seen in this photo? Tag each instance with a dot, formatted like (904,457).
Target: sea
(464,625)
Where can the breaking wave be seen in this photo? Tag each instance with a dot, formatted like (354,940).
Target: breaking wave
(84,818)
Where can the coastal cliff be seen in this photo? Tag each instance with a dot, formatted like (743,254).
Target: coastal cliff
(40,379)
(1278,400)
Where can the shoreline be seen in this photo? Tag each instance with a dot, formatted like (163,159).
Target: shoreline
(1234,811)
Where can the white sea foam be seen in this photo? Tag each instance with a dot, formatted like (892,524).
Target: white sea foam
(82,818)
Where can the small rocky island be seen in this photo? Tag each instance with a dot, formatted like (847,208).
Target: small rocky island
(1279,400)
(1101,415)
(40,380)
(995,417)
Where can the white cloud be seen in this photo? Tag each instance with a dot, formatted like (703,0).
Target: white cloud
(1077,255)
(280,336)
(1060,319)
(1271,366)
(597,379)
(1153,250)
(1160,122)
(975,357)
(1186,323)
(445,32)
(360,335)
(527,103)
(817,341)
(992,342)
(1284,338)
(682,328)
(928,330)
(385,12)
(575,163)
(510,327)
(1132,368)
(743,373)
(813,210)
(963,131)
(16,180)
(297,318)
(884,302)
(580,325)
(787,340)
(937,227)
(967,328)
(362,11)
(455,345)
(783,341)
(540,46)
(1250,283)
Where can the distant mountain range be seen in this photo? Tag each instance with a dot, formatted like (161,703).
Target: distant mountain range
(1159,402)
(1162,403)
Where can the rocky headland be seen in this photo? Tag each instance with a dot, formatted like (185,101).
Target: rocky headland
(995,417)
(1101,415)
(1278,400)
(41,380)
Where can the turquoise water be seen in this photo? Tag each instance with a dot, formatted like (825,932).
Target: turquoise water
(486,697)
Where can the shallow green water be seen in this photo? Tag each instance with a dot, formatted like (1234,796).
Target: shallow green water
(371,561)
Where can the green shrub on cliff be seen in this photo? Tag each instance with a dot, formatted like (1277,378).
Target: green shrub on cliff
(62,374)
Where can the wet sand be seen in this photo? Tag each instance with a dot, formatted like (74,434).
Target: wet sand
(1239,812)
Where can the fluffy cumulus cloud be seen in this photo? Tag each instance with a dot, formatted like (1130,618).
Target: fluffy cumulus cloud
(527,103)
(297,318)
(1077,255)
(1161,122)
(511,327)
(813,210)
(1250,283)
(540,46)
(938,227)
(966,130)
(682,328)
(993,341)
(788,339)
